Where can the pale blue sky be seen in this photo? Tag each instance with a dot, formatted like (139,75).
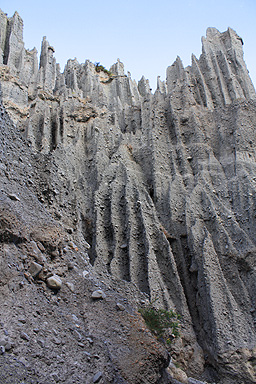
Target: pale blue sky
(146,35)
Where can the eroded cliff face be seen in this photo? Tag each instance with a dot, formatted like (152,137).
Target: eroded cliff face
(162,186)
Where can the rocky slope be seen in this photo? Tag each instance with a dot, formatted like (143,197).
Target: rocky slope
(142,195)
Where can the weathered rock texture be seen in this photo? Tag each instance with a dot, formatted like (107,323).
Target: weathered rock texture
(162,187)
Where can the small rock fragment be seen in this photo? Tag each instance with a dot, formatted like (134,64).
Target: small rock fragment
(54,253)
(193,267)
(2,349)
(40,246)
(55,377)
(3,342)
(75,318)
(41,342)
(72,246)
(120,307)
(97,377)
(22,320)
(70,265)
(98,294)
(8,346)
(13,197)
(70,286)
(56,341)
(24,336)
(28,277)
(54,282)
(35,269)
(34,248)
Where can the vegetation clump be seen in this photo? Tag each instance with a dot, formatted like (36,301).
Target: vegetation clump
(164,324)
(99,68)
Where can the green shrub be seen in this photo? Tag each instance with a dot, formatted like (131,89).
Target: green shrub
(99,67)
(162,323)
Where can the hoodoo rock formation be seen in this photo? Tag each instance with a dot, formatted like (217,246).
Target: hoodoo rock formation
(108,188)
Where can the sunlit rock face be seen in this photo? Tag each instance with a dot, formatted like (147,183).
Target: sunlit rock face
(161,185)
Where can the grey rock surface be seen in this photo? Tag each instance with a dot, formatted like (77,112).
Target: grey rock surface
(162,186)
